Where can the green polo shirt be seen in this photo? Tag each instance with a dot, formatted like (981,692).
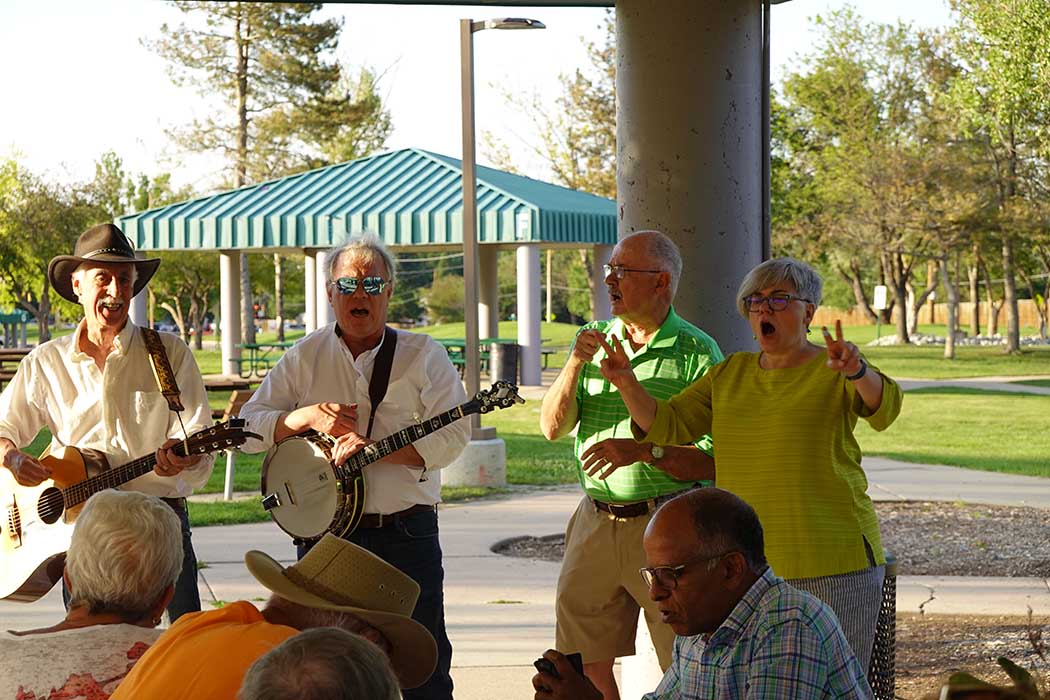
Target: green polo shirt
(679,354)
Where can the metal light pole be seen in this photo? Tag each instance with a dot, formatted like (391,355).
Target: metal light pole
(470,193)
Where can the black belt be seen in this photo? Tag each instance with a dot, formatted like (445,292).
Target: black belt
(374,521)
(632,510)
(178,504)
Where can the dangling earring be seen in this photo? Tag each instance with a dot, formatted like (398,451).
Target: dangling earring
(807,330)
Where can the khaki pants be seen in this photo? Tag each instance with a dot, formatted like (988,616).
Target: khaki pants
(600,589)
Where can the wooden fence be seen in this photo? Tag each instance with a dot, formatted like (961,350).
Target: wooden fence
(933,313)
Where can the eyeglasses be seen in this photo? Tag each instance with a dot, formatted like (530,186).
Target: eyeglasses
(774,302)
(667,576)
(372,285)
(618,271)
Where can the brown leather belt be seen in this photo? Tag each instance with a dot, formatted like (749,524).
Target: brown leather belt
(632,510)
(374,521)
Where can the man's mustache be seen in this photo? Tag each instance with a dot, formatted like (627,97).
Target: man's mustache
(111,302)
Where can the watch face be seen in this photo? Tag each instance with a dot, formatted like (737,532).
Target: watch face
(656,451)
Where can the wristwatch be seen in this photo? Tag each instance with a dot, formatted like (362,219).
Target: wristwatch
(657,451)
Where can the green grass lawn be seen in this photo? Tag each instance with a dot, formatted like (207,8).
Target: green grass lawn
(1035,382)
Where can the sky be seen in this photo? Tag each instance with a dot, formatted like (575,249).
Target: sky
(78,79)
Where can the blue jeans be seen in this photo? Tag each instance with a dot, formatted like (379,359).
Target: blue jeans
(411,544)
(187,596)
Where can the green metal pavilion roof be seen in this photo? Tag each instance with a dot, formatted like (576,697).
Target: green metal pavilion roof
(408,197)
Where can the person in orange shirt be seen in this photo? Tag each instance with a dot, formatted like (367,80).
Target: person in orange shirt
(336,584)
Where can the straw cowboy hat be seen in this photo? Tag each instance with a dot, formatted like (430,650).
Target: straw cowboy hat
(339,575)
(102,243)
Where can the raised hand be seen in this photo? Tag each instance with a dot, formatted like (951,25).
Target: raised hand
(616,367)
(843,356)
(586,345)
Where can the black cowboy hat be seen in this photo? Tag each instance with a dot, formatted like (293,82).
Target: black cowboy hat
(102,243)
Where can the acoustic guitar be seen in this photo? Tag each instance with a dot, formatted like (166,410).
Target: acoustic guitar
(36,522)
(307,495)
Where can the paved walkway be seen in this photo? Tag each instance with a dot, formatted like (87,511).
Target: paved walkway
(500,610)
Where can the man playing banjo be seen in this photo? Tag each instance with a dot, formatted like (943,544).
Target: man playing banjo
(323,384)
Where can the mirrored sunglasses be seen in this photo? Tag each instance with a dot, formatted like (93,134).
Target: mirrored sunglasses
(373,285)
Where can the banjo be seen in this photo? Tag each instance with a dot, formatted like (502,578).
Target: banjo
(307,495)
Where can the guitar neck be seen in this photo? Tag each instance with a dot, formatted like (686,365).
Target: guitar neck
(404,437)
(111,478)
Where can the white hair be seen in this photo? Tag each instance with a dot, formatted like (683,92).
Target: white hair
(324,663)
(365,246)
(659,246)
(126,549)
(775,272)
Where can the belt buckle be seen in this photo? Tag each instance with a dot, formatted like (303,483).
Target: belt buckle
(379,520)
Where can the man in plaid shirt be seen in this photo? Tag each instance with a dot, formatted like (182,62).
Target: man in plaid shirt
(742,632)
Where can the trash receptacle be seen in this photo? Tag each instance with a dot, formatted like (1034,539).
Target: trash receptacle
(503,362)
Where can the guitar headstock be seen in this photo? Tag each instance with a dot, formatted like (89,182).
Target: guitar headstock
(220,436)
(501,395)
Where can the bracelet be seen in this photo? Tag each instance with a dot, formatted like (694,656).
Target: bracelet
(860,372)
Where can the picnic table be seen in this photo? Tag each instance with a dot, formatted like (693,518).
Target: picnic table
(259,361)
(457,350)
(9,359)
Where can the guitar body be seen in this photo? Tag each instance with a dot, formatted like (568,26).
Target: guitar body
(35,527)
(311,497)
(36,522)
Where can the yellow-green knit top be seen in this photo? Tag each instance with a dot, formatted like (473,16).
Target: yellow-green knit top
(783,441)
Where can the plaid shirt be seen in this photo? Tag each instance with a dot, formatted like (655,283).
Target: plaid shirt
(778,643)
(676,356)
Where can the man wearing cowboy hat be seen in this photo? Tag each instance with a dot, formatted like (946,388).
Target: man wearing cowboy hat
(96,388)
(335,584)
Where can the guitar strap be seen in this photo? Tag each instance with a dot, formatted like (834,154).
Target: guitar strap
(162,368)
(381,374)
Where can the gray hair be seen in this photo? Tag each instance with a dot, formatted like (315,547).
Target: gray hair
(659,246)
(724,522)
(126,549)
(776,272)
(324,663)
(364,246)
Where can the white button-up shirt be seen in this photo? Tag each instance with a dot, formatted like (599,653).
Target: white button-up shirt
(119,410)
(423,383)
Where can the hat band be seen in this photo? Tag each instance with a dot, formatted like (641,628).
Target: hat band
(320,590)
(104,251)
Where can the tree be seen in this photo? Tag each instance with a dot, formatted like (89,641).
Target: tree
(444,299)
(1003,92)
(289,108)
(186,286)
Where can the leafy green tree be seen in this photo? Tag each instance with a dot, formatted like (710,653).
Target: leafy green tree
(444,299)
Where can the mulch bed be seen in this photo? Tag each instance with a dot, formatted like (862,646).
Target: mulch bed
(937,539)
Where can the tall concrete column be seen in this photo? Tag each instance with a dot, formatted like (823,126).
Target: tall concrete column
(325,314)
(528,259)
(689,145)
(139,310)
(310,283)
(488,291)
(230,310)
(601,255)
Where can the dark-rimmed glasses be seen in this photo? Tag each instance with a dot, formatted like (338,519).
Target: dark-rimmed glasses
(373,285)
(667,576)
(618,271)
(774,302)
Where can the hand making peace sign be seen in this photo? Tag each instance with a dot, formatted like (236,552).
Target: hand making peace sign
(843,356)
(616,367)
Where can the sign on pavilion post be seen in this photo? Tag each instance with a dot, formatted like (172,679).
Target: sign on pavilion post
(879,303)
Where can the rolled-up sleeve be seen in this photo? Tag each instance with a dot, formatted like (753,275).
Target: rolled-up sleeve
(888,410)
(440,391)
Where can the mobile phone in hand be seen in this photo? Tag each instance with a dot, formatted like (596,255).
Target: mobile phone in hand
(545,666)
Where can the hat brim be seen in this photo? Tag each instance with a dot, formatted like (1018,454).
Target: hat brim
(413,654)
(60,272)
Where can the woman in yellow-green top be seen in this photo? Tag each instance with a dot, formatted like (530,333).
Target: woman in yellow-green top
(782,423)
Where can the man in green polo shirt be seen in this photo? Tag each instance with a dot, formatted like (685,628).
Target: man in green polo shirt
(599,590)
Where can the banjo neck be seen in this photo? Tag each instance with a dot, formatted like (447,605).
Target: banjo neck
(404,437)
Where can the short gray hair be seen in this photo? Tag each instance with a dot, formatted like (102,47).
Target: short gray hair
(777,271)
(365,246)
(126,549)
(660,247)
(325,663)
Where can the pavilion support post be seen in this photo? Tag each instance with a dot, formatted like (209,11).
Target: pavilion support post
(488,291)
(690,161)
(601,255)
(230,311)
(325,314)
(139,311)
(309,284)
(529,293)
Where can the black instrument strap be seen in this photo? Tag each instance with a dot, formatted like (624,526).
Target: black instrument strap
(381,374)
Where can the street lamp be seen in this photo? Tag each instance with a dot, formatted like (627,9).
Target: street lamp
(470,205)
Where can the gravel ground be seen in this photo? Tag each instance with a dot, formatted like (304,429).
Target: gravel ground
(939,539)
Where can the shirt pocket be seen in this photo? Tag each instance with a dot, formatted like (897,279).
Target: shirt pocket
(149,413)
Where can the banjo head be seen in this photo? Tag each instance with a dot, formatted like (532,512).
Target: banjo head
(311,496)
